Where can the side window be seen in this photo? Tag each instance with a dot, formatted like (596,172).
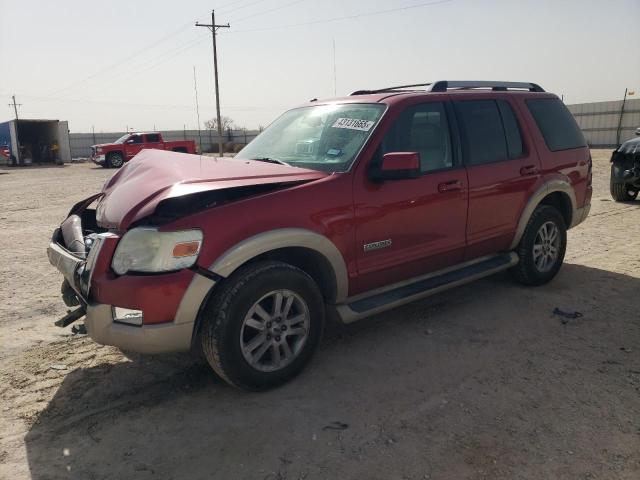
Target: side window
(483,135)
(136,139)
(511,129)
(424,129)
(153,138)
(558,127)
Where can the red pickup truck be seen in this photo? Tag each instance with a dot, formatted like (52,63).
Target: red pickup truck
(128,146)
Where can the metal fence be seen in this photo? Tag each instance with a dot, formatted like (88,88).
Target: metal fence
(604,124)
(81,142)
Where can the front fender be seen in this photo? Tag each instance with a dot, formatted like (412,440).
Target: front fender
(265,242)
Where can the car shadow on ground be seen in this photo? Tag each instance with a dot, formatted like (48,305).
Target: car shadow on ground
(481,378)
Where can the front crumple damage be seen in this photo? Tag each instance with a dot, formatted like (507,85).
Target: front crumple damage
(174,208)
(625,162)
(160,186)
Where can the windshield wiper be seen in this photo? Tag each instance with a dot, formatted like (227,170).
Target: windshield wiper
(270,160)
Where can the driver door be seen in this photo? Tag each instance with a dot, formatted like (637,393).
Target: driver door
(133,146)
(409,227)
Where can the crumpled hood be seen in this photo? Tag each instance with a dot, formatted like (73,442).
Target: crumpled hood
(629,147)
(155,175)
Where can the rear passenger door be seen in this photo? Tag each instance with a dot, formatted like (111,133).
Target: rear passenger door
(502,167)
(152,140)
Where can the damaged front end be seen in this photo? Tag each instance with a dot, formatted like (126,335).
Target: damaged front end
(625,164)
(73,250)
(128,267)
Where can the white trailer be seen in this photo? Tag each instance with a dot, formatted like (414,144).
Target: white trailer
(31,140)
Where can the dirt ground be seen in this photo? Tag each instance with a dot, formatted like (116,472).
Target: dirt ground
(481,382)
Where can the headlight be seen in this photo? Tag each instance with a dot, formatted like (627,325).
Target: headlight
(99,150)
(148,250)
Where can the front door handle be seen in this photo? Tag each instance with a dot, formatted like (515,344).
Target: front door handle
(450,186)
(528,170)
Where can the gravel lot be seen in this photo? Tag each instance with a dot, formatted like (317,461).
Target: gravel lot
(481,382)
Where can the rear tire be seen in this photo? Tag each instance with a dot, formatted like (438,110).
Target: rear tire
(115,160)
(542,247)
(262,327)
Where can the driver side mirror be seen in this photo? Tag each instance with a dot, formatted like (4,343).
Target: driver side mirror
(398,166)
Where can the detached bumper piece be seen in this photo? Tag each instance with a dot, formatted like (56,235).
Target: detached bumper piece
(71,317)
(77,273)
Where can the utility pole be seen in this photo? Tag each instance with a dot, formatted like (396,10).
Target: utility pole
(195,87)
(15,109)
(624,100)
(214,28)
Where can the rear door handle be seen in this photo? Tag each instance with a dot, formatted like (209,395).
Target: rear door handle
(450,186)
(528,170)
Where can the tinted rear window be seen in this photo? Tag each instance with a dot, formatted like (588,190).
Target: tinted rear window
(558,127)
(482,132)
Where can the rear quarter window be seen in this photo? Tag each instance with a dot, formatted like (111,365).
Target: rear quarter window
(558,127)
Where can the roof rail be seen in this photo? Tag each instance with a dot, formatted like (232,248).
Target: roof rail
(388,89)
(444,85)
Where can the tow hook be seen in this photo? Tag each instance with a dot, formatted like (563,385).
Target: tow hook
(71,316)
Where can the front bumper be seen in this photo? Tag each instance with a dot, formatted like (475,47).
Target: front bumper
(165,337)
(99,159)
(149,339)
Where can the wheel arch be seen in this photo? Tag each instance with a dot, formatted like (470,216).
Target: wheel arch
(310,251)
(556,193)
(113,152)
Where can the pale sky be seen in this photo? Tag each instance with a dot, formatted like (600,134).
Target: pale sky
(117,63)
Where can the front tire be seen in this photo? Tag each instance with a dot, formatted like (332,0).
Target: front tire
(115,160)
(542,247)
(262,327)
(620,191)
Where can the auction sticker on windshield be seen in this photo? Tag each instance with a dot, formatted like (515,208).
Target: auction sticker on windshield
(353,124)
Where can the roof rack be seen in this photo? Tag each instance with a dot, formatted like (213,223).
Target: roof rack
(444,85)
(389,89)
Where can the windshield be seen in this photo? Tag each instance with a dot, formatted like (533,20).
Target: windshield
(122,139)
(323,137)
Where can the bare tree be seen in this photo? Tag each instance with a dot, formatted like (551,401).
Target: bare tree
(227,123)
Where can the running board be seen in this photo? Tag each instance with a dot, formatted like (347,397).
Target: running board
(385,298)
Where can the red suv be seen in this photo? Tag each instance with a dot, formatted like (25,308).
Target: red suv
(340,209)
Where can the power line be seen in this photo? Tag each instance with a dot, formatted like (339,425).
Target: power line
(346,17)
(269,11)
(240,7)
(163,58)
(126,59)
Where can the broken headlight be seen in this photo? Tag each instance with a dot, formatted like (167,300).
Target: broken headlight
(148,250)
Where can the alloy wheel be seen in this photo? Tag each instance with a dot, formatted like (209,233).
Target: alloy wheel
(546,247)
(274,330)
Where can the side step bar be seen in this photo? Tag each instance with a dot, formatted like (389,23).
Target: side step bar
(386,298)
